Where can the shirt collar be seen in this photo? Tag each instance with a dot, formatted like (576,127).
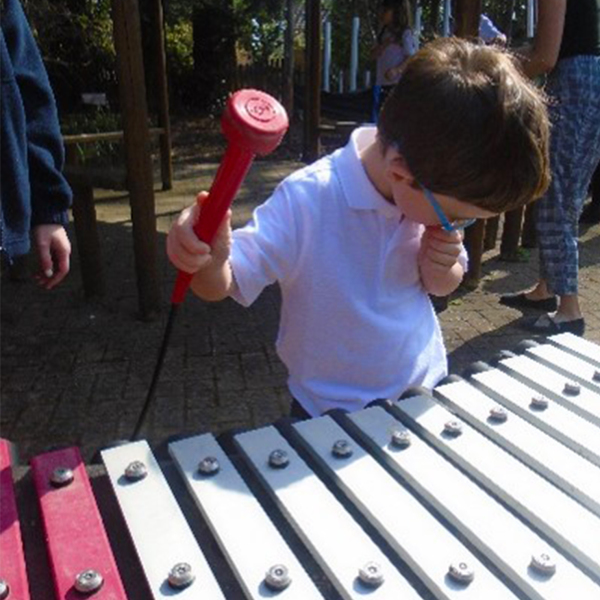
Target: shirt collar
(359,191)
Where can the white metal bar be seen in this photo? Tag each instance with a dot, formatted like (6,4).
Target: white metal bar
(569,428)
(552,384)
(578,346)
(158,529)
(504,539)
(567,470)
(336,541)
(567,523)
(414,533)
(246,535)
(567,364)
(248,538)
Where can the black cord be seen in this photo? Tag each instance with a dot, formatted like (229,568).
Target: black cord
(157,370)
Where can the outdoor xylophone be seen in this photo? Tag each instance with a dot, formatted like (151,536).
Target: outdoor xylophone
(487,489)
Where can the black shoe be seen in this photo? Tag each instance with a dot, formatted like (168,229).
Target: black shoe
(591,214)
(546,325)
(520,300)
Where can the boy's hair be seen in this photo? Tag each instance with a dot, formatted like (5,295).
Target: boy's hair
(469,125)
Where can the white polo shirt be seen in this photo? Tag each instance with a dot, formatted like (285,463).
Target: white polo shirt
(356,323)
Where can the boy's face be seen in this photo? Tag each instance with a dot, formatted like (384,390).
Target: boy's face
(410,197)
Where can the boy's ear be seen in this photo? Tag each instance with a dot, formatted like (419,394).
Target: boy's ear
(397,169)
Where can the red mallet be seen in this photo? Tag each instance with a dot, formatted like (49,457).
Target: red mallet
(253,123)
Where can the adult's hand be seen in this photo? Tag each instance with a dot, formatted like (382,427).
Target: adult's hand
(54,253)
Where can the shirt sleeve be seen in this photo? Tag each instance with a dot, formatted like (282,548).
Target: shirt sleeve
(266,249)
(487,30)
(50,192)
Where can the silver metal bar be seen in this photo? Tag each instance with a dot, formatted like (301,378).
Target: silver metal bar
(249,540)
(158,529)
(548,509)
(572,430)
(585,402)
(337,542)
(504,539)
(567,470)
(414,533)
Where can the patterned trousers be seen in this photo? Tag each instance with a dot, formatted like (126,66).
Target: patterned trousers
(574,90)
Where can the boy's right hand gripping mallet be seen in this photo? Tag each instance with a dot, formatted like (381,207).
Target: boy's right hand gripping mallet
(253,123)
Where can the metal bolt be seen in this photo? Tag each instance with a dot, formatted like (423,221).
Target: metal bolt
(342,449)
(209,465)
(181,575)
(61,476)
(596,375)
(540,402)
(4,589)
(136,470)
(499,414)
(453,428)
(572,388)
(277,577)
(543,563)
(279,459)
(371,574)
(401,438)
(88,581)
(461,572)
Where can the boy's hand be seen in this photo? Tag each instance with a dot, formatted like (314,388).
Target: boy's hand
(187,252)
(438,260)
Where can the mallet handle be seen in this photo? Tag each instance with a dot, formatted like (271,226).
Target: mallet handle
(232,170)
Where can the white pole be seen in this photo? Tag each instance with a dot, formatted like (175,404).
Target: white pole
(367,79)
(341,82)
(530,18)
(327,57)
(418,24)
(447,13)
(354,53)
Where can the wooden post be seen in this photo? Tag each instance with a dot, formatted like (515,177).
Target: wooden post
(511,234)
(86,232)
(134,111)
(529,233)
(162,93)
(491,233)
(467,17)
(312,81)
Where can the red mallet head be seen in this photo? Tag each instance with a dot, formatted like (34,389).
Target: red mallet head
(255,121)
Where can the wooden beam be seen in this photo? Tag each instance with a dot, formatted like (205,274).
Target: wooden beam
(467,14)
(162,93)
(466,18)
(312,81)
(134,111)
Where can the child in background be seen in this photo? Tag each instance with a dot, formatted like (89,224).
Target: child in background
(358,239)
(395,44)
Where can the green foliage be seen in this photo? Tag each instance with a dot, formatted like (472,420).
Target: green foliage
(75,39)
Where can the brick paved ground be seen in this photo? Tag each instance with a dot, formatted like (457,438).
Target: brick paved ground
(77,372)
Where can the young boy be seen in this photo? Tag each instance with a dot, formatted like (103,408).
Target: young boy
(359,239)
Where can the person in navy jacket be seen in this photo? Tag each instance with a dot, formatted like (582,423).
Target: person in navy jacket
(34,194)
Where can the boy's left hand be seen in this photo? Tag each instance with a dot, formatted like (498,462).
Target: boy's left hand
(439,250)
(440,270)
